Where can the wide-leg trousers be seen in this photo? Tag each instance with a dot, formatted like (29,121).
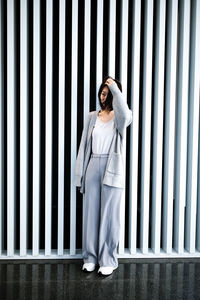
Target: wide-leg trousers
(101,215)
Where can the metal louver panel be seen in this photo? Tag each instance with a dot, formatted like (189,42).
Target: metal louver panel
(53,57)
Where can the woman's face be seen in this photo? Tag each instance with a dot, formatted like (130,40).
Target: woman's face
(104,94)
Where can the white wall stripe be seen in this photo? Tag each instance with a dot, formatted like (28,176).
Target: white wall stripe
(158,127)
(112,39)
(11,119)
(134,130)
(61,133)
(48,140)
(74,122)
(146,126)
(87,44)
(123,78)
(23,128)
(87,58)
(182,116)
(169,131)
(193,128)
(36,125)
(99,51)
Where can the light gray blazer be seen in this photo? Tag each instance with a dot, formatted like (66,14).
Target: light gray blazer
(114,173)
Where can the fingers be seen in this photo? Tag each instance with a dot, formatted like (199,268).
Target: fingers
(109,81)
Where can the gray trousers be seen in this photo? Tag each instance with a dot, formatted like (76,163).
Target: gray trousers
(101,215)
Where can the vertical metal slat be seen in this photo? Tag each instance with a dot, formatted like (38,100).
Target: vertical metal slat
(11,145)
(134,131)
(158,127)
(23,127)
(87,42)
(169,131)
(61,126)
(193,128)
(87,57)
(99,51)
(36,125)
(123,77)
(146,126)
(48,140)
(74,120)
(112,38)
(181,129)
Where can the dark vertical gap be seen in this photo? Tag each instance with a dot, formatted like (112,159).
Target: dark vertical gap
(42,120)
(140,121)
(93,58)
(55,125)
(68,28)
(105,37)
(129,76)
(30,122)
(17,121)
(80,93)
(117,45)
(155,11)
(167,26)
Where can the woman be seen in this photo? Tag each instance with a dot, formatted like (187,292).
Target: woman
(99,174)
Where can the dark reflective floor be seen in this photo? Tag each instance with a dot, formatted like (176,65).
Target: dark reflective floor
(134,279)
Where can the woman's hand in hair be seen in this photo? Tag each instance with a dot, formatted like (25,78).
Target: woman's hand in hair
(109,81)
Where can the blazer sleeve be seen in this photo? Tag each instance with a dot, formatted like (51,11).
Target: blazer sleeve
(123,115)
(78,174)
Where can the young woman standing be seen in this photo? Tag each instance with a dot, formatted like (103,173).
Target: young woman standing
(99,173)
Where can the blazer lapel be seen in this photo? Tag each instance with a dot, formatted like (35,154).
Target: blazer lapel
(91,125)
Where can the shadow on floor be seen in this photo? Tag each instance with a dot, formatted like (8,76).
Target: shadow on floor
(134,279)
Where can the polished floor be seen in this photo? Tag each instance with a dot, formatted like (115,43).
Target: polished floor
(134,279)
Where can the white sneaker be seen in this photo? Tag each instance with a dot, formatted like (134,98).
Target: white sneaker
(106,270)
(89,267)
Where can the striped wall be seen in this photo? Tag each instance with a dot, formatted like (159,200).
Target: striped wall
(53,57)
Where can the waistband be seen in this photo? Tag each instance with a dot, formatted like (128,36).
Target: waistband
(99,155)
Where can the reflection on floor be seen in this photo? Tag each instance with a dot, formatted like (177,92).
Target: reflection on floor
(134,279)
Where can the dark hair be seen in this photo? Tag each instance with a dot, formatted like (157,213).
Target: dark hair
(108,103)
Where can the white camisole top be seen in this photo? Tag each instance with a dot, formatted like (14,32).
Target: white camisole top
(102,136)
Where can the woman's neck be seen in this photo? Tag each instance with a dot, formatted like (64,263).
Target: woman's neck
(105,111)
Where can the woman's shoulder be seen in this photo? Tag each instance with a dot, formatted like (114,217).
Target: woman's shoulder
(90,114)
(93,112)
